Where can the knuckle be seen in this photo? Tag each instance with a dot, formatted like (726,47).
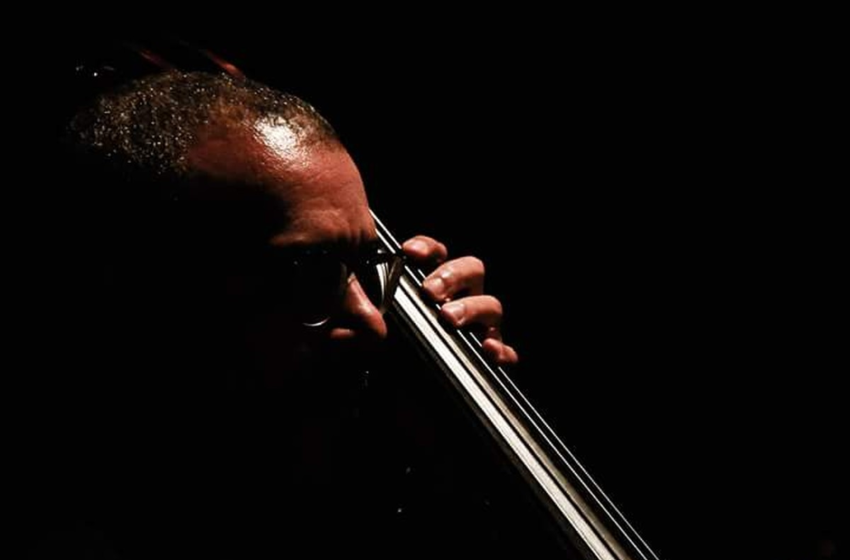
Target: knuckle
(448,274)
(422,240)
(430,241)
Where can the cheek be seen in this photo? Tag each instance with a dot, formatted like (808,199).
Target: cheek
(277,347)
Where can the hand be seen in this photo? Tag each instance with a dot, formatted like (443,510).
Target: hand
(459,285)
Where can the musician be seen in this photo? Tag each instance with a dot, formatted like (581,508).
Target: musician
(227,244)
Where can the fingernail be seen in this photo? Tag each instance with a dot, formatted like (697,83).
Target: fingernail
(435,286)
(417,246)
(455,312)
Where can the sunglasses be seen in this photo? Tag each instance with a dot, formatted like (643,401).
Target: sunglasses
(310,284)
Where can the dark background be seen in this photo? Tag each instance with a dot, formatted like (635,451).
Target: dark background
(669,268)
(668,277)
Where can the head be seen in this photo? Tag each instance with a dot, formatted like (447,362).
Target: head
(207,190)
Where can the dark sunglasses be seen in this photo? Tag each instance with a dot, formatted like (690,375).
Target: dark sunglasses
(310,284)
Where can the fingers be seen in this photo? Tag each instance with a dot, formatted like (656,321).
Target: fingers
(478,310)
(425,250)
(484,311)
(463,275)
(500,352)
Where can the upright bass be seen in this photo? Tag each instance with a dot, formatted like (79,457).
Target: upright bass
(578,508)
(583,517)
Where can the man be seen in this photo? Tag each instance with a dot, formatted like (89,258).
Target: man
(227,240)
(272,161)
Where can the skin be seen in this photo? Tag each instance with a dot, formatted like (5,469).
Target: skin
(321,200)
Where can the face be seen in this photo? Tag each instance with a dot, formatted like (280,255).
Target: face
(314,198)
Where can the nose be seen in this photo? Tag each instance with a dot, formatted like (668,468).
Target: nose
(358,317)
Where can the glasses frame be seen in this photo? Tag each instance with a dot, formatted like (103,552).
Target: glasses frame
(352,268)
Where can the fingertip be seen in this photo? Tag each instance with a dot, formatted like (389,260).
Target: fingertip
(493,348)
(423,248)
(500,353)
(455,313)
(435,287)
(416,247)
(510,356)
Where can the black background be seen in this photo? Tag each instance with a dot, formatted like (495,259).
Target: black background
(669,269)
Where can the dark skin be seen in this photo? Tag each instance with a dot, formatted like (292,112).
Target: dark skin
(205,464)
(318,189)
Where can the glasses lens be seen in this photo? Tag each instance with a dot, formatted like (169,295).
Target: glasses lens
(315,285)
(312,286)
(379,278)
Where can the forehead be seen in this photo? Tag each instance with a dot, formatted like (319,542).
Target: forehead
(313,189)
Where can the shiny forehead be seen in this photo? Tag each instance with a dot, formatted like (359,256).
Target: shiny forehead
(153,122)
(315,184)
